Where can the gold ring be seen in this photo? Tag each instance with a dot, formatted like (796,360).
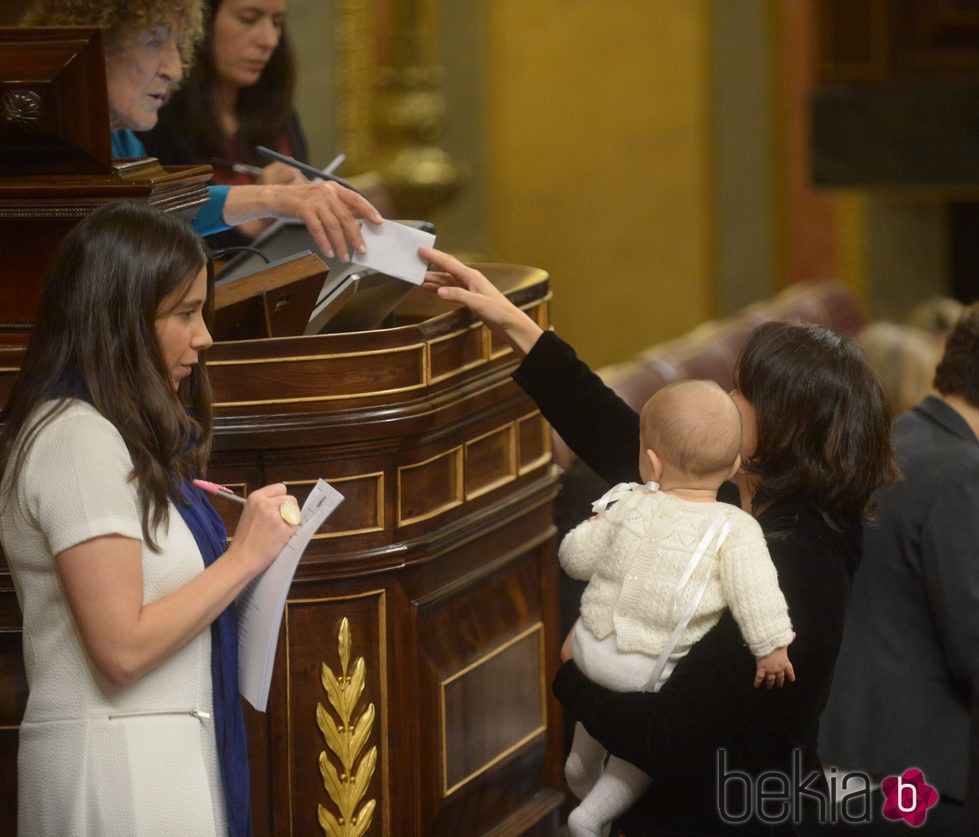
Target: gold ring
(290,513)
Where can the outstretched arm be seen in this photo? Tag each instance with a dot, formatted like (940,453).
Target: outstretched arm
(330,211)
(455,282)
(274,174)
(595,423)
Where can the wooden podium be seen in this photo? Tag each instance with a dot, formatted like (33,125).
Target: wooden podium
(411,689)
(422,621)
(55,163)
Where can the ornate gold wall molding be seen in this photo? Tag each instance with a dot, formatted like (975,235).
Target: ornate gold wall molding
(354,82)
(390,102)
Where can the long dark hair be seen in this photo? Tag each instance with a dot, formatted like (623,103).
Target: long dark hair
(263,109)
(95,338)
(824,427)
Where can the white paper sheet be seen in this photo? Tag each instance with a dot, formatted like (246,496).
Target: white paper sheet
(261,603)
(392,249)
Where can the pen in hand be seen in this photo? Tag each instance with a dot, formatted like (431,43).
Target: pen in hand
(334,164)
(218,490)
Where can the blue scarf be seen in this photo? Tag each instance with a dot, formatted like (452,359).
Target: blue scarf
(208,530)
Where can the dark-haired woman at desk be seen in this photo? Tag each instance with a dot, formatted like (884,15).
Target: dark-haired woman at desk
(238,95)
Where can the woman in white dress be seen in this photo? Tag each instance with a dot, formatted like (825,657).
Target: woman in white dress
(122,568)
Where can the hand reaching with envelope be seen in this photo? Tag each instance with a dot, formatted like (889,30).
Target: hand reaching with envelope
(455,282)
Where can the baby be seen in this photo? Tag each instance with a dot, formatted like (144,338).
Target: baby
(663,561)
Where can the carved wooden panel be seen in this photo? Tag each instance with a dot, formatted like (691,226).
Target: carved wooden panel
(890,40)
(511,717)
(54,113)
(336,734)
(35,214)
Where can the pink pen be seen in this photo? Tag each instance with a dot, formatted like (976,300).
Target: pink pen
(219,490)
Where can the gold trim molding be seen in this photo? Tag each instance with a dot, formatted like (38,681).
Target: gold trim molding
(536,631)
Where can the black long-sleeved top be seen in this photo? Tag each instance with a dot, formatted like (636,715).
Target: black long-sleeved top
(708,709)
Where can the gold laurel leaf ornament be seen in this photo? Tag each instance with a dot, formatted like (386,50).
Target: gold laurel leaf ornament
(346,738)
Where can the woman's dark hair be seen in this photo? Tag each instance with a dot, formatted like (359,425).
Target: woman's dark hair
(263,109)
(958,371)
(95,338)
(824,427)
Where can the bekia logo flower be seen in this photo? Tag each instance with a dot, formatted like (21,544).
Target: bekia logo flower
(908,797)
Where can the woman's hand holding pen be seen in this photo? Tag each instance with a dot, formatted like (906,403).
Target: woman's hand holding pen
(263,530)
(126,637)
(455,282)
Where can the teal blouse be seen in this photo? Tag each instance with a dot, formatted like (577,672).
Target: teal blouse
(209,218)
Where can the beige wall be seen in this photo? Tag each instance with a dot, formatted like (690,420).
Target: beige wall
(311,28)
(587,131)
(598,121)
